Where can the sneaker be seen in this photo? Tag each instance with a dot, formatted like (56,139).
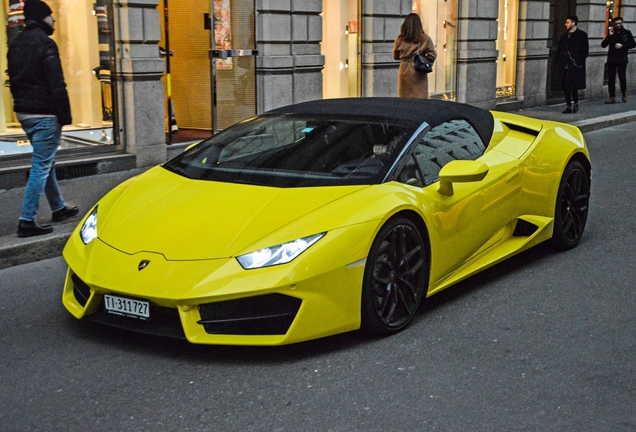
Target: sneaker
(611,100)
(32,228)
(568,110)
(64,213)
(624,97)
(576,108)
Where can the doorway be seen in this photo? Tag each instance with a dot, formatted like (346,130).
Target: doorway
(193,29)
(559,11)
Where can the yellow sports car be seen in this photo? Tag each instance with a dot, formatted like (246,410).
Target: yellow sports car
(324,217)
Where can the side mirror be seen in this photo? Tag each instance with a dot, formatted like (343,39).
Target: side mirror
(460,171)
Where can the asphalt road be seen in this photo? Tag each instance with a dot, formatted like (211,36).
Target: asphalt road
(544,341)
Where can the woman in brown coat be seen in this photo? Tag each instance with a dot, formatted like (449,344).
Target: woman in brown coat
(412,40)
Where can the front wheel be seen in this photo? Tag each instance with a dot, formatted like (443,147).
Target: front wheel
(395,278)
(572,206)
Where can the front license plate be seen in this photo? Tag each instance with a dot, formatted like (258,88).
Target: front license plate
(127,307)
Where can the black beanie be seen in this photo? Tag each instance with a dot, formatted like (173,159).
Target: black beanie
(36,10)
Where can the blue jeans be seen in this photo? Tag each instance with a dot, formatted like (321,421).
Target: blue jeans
(44,134)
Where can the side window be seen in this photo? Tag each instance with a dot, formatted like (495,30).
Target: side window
(410,174)
(453,140)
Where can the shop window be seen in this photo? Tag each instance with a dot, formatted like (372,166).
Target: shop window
(340,46)
(507,47)
(83,34)
(439,19)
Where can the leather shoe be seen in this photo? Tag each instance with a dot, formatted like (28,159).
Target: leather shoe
(64,213)
(32,228)
(611,100)
(568,110)
(624,97)
(576,108)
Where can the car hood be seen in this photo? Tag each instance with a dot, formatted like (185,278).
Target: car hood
(186,219)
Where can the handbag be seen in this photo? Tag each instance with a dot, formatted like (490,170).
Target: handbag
(422,63)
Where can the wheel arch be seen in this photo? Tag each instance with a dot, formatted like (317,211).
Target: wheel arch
(372,320)
(582,158)
(567,238)
(419,222)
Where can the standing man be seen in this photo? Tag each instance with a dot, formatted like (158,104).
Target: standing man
(573,50)
(620,41)
(42,107)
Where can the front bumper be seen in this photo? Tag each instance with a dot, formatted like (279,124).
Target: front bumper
(217,301)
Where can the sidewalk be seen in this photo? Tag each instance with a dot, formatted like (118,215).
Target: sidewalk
(594,114)
(83,192)
(86,191)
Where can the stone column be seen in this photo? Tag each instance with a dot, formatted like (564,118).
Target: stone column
(289,63)
(140,91)
(532,52)
(381,22)
(477,53)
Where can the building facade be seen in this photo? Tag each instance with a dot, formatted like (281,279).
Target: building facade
(145,75)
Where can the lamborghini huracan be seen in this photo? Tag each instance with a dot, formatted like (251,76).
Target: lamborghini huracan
(325,217)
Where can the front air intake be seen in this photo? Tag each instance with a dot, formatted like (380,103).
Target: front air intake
(270,314)
(81,291)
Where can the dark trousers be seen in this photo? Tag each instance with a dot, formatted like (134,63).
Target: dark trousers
(612,68)
(571,95)
(569,92)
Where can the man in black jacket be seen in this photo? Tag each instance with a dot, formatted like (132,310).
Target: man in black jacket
(42,107)
(570,70)
(620,40)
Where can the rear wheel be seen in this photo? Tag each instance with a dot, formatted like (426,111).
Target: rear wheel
(571,207)
(395,278)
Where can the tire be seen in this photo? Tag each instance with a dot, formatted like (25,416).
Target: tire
(572,206)
(395,278)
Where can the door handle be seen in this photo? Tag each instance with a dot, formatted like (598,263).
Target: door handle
(225,54)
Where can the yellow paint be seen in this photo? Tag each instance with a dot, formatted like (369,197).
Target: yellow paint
(191,231)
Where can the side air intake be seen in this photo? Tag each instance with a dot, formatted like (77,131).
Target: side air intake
(524,229)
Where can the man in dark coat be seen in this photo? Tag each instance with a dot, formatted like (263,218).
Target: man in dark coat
(620,40)
(573,50)
(42,107)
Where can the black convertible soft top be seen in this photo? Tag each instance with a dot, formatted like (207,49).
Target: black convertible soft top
(433,112)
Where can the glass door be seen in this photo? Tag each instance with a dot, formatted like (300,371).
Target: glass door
(186,40)
(195,82)
(233,64)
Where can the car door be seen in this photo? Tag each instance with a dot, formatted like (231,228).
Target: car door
(472,219)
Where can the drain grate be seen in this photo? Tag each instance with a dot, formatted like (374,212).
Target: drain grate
(73,171)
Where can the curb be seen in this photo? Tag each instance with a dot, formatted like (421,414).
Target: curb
(16,251)
(597,123)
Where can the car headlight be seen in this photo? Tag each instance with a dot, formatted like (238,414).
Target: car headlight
(88,233)
(280,254)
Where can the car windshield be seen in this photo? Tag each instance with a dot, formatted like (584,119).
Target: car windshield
(296,151)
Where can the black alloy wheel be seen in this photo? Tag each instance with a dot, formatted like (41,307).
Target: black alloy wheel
(395,277)
(572,206)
